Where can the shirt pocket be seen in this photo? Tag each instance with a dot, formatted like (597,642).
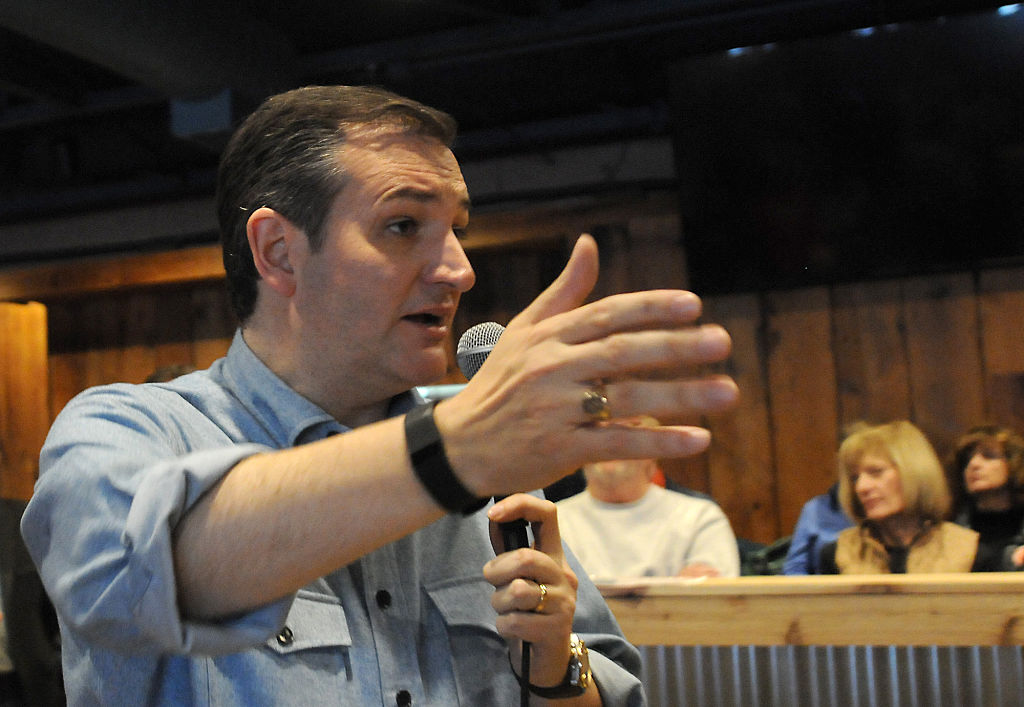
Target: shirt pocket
(464,603)
(314,621)
(479,654)
(308,662)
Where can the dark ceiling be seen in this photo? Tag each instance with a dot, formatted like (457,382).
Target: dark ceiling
(107,103)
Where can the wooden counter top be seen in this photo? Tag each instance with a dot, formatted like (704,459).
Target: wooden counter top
(937,609)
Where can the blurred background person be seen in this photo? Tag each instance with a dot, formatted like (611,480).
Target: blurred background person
(820,521)
(163,374)
(30,675)
(10,692)
(624,525)
(891,483)
(986,478)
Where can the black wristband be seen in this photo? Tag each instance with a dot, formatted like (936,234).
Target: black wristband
(430,463)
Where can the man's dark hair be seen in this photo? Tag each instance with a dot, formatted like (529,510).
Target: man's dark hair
(285,156)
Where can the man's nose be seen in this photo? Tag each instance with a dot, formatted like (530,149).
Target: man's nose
(453,267)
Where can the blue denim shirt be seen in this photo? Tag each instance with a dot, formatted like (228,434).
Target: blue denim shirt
(410,623)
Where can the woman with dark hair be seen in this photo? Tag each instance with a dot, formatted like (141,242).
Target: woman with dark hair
(986,476)
(891,484)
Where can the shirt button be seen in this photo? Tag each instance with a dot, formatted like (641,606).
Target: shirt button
(384,601)
(285,637)
(403,698)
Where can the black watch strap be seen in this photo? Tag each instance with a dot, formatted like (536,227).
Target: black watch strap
(430,463)
(577,675)
(561,691)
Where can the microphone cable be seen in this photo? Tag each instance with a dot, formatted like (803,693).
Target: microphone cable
(513,535)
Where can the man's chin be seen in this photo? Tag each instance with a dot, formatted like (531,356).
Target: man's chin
(428,370)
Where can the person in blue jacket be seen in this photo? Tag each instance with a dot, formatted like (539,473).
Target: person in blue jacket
(820,521)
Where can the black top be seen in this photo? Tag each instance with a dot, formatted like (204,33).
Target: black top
(997,529)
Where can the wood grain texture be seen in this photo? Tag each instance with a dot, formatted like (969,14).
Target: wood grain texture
(742,464)
(926,610)
(945,351)
(24,411)
(803,397)
(945,367)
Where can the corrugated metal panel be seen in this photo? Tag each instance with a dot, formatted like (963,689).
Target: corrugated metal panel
(831,676)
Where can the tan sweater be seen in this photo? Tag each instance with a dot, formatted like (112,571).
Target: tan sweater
(945,547)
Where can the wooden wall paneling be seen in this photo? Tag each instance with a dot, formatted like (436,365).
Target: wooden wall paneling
(155,331)
(24,407)
(528,273)
(172,342)
(66,358)
(872,371)
(493,296)
(741,462)
(103,275)
(509,279)
(616,273)
(67,378)
(213,324)
(138,334)
(803,396)
(946,355)
(70,341)
(475,305)
(519,275)
(104,358)
(946,382)
(1001,310)
(657,261)
(656,252)
(125,336)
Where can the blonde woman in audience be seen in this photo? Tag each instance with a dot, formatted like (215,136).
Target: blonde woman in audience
(891,483)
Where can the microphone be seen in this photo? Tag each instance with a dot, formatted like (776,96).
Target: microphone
(474,347)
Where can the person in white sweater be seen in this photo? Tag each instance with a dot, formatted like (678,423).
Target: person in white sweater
(624,525)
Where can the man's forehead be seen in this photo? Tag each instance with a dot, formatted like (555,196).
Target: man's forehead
(413,165)
(383,139)
(416,193)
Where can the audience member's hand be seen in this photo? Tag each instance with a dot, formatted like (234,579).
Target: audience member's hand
(517,576)
(699,569)
(520,423)
(1018,556)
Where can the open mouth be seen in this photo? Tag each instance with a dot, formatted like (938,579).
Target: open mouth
(425,319)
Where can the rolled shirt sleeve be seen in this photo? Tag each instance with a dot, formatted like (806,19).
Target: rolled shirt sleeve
(117,475)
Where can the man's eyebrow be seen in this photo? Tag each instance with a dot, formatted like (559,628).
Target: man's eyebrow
(422,195)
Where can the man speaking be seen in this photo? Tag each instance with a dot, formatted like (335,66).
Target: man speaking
(291,526)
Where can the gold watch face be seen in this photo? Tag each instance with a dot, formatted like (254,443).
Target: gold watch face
(580,663)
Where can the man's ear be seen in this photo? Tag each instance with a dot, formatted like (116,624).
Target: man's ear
(272,237)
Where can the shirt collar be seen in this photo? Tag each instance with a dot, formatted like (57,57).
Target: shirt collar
(290,418)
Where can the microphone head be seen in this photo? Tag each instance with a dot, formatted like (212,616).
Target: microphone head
(475,346)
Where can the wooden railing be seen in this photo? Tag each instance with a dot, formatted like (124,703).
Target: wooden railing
(901,610)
